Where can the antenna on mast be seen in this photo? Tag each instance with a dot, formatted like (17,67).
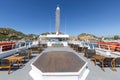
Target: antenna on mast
(57,20)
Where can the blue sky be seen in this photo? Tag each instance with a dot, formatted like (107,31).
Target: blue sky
(98,17)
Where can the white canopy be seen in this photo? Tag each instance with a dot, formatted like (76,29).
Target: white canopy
(57,36)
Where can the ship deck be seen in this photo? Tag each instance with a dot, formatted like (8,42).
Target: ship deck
(96,73)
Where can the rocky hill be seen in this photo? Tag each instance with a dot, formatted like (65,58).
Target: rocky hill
(83,36)
(11,34)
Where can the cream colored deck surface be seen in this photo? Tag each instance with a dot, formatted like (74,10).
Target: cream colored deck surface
(95,71)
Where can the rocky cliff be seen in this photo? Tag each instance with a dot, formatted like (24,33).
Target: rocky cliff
(83,36)
(11,34)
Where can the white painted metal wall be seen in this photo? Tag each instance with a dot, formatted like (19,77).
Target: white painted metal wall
(50,43)
(36,74)
(10,52)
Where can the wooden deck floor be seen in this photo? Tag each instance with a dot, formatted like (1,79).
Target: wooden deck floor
(59,61)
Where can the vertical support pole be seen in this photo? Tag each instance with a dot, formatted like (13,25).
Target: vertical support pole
(0,48)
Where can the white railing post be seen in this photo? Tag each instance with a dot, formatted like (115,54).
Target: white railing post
(109,47)
(0,48)
(93,46)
